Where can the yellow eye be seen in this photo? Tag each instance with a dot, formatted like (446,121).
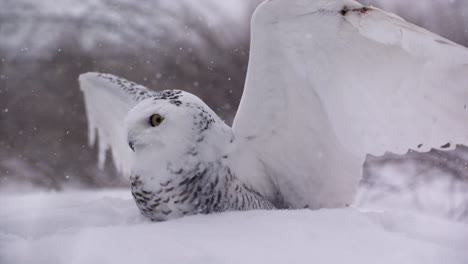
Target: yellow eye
(156,120)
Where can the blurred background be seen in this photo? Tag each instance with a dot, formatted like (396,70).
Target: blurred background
(198,46)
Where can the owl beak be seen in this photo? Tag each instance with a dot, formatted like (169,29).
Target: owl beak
(131,144)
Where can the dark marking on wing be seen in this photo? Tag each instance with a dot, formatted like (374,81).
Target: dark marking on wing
(446,146)
(139,92)
(344,11)
(363,10)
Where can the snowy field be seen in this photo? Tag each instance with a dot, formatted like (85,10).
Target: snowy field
(105,227)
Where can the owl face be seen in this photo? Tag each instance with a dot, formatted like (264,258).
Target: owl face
(174,122)
(156,124)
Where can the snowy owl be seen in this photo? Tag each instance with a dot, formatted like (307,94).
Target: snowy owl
(328,82)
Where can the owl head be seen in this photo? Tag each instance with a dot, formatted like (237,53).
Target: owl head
(175,124)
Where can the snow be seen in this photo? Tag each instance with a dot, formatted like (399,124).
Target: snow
(106,227)
(412,187)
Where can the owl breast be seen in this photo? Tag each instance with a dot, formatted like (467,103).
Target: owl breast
(169,201)
(208,189)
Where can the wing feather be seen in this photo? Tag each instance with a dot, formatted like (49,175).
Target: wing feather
(332,81)
(108,99)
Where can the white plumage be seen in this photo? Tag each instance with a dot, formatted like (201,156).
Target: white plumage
(329,81)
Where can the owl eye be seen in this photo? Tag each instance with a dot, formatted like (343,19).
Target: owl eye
(156,120)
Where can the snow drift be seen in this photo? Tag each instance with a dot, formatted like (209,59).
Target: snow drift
(106,227)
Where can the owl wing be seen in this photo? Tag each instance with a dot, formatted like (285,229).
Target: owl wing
(331,81)
(108,99)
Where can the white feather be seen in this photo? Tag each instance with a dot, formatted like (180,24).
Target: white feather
(108,99)
(325,88)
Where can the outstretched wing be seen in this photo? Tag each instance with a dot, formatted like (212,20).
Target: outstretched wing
(331,81)
(108,99)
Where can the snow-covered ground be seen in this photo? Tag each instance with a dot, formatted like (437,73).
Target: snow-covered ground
(105,227)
